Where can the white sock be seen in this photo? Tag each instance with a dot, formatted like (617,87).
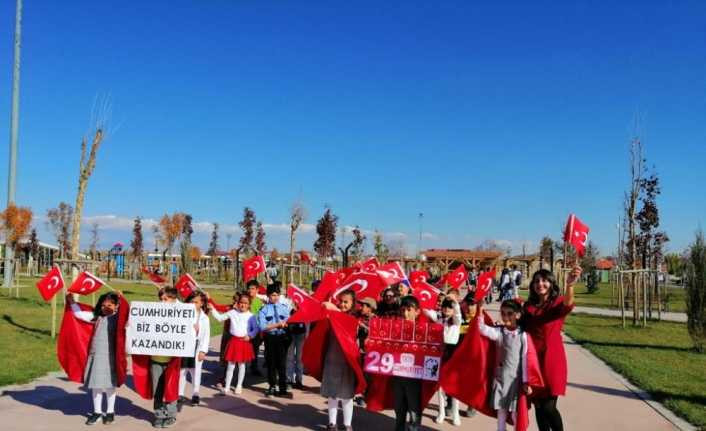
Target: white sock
(454,407)
(347,405)
(110,399)
(182,381)
(229,374)
(502,419)
(442,402)
(97,395)
(241,373)
(196,377)
(332,410)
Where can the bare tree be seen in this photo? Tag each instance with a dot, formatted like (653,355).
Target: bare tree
(59,222)
(632,196)
(354,247)
(86,167)
(396,248)
(381,250)
(297,215)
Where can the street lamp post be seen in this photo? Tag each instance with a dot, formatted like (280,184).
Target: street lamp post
(14,123)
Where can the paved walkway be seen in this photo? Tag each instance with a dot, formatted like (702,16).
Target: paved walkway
(666,315)
(597,399)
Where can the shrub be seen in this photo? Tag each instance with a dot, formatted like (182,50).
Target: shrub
(696,292)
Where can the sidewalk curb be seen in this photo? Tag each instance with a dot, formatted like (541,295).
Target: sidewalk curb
(675,420)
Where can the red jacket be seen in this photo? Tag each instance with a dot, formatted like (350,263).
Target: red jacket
(143,378)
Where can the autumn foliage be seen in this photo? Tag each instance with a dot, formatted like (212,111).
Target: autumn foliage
(15,222)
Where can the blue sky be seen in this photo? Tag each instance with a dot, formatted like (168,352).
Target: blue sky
(495,121)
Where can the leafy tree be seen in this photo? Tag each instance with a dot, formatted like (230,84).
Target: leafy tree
(326,231)
(137,241)
(297,215)
(170,228)
(185,246)
(675,264)
(15,223)
(247,225)
(546,251)
(588,263)
(59,222)
(34,244)
(260,245)
(696,292)
(213,245)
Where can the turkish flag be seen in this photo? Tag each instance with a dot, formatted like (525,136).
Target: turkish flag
(186,285)
(391,273)
(329,282)
(297,295)
(364,284)
(419,276)
(576,233)
(457,276)
(370,265)
(86,283)
(252,267)
(309,309)
(51,283)
(427,295)
(483,286)
(154,278)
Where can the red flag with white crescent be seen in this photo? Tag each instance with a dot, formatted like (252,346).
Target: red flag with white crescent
(576,233)
(304,257)
(86,283)
(427,295)
(297,295)
(252,267)
(364,284)
(309,309)
(457,276)
(370,265)
(391,273)
(186,285)
(483,286)
(154,278)
(51,283)
(329,283)
(419,276)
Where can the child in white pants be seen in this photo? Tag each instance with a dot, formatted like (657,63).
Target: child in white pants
(203,336)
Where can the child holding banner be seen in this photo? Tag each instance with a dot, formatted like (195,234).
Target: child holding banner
(203,337)
(408,391)
(91,349)
(242,327)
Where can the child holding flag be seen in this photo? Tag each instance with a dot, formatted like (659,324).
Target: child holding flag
(103,357)
(203,337)
(239,350)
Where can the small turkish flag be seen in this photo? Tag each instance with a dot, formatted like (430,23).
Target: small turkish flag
(252,267)
(154,278)
(86,283)
(576,233)
(427,295)
(186,285)
(416,277)
(297,295)
(391,273)
(457,276)
(51,283)
(370,265)
(483,286)
(364,284)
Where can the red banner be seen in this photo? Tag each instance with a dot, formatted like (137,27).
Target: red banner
(398,347)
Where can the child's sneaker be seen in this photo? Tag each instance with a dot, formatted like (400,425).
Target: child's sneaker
(440,418)
(158,423)
(168,422)
(108,418)
(238,390)
(93,418)
(456,420)
(270,393)
(195,400)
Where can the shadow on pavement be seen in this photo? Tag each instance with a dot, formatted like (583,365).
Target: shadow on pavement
(72,404)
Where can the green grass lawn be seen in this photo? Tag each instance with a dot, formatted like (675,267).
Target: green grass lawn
(659,359)
(675,297)
(28,351)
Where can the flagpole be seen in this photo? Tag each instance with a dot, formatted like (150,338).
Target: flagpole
(53,317)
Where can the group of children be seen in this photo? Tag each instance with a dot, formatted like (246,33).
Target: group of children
(254,318)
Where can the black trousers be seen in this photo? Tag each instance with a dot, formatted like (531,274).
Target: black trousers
(276,347)
(548,416)
(408,399)
(256,341)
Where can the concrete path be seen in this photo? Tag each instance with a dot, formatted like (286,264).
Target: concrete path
(666,315)
(597,399)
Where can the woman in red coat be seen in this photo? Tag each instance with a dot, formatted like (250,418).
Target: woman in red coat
(543,318)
